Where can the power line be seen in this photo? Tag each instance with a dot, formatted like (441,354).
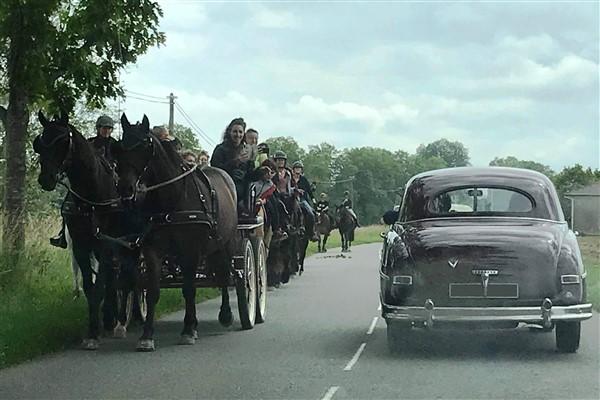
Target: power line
(194,125)
(147,100)
(334,182)
(144,95)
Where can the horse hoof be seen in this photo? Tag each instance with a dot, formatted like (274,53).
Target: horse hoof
(225,318)
(188,339)
(90,344)
(120,332)
(145,345)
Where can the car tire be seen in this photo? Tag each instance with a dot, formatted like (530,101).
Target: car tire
(567,336)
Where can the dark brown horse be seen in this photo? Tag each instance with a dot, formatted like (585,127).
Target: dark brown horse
(192,218)
(346,226)
(323,228)
(92,204)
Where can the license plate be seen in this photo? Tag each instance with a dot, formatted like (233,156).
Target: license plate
(476,291)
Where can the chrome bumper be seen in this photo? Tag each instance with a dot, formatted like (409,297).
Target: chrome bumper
(544,315)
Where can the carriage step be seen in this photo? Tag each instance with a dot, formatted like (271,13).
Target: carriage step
(247,223)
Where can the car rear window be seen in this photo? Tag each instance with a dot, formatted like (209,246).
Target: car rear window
(480,201)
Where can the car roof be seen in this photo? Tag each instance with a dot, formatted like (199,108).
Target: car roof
(537,185)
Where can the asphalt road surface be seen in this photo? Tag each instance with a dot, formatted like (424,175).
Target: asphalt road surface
(323,339)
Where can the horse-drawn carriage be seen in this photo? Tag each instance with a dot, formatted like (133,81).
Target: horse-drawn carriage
(247,274)
(191,235)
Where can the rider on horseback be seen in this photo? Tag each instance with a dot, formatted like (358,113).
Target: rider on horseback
(283,177)
(301,184)
(323,206)
(103,144)
(348,204)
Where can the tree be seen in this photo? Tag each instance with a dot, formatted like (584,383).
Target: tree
(514,162)
(320,164)
(570,179)
(289,146)
(455,154)
(55,52)
(188,138)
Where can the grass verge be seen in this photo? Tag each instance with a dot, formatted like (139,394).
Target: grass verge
(590,250)
(38,313)
(362,235)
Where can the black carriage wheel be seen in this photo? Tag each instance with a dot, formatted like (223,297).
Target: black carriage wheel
(246,288)
(568,334)
(260,261)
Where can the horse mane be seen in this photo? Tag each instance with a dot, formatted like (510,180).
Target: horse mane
(83,149)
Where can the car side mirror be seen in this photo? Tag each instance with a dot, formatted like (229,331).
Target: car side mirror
(391,217)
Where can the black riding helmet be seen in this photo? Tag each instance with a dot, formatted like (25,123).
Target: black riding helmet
(280,155)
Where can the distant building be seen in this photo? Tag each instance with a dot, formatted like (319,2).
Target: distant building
(585,209)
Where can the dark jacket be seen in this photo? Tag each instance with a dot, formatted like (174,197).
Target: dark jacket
(225,156)
(322,205)
(305,185)
(103,147)
(347,203)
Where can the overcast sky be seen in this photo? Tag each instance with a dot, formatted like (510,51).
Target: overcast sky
(504,78)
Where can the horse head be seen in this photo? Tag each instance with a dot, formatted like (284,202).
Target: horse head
(133,152)
(54,146)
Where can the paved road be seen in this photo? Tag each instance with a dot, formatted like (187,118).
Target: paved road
(321,341)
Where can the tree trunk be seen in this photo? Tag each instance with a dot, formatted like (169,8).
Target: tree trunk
(17,118)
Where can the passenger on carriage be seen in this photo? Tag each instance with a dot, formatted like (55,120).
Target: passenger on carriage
(303,187)
(203,158)
(165,137)
(266,197)
(348,204)
(189,157)
(233,156)
(102,143)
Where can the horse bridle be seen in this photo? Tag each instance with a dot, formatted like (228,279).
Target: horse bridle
(39,142)
(61,173)
(139,187)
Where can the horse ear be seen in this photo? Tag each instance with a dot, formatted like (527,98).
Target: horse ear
(42,118)
(64,118)
(146,124)
(125,122)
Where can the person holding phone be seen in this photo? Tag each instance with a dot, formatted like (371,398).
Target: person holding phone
(234,157)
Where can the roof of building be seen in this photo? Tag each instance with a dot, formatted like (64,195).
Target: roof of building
(589,190)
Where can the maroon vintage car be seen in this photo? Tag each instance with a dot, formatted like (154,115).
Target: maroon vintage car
(483,247)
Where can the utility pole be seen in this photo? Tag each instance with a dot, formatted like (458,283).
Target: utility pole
(171,112)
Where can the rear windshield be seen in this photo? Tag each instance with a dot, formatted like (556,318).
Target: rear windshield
(480,201)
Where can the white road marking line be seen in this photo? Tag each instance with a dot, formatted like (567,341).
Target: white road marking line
(372,327)
(379,308)
(330,393)
(349,366)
